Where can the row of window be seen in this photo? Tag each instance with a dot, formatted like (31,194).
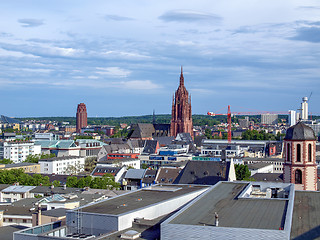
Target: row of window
(299,152)
(23,220)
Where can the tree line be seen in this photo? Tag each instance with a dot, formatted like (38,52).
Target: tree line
(13,176)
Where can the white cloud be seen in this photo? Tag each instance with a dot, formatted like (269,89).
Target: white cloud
(124,54)
(113,72)
(140,85)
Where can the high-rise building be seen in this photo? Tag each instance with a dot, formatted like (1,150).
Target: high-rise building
(304,109)
(300,165)
(181,119)
(244,123)
(292,117)
(81,117)
(270,119)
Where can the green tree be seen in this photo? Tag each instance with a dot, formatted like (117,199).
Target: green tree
(5,161)
(37,157)
(144,166)
(56,183)
(208,133)
(72,181)
(242,172)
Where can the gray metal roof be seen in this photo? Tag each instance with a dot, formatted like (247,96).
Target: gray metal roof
(18,189)
(233,211)
(300,131)
(135,173)
(268,177)
(6,232)
(204,172)
(305,218)
(59,212)
(139,199)
(258,165)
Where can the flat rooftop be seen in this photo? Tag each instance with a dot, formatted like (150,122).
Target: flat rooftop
(140,199)
(233,211)
(305,218)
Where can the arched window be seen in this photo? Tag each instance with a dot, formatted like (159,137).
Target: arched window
(298,153)
(288,152)
(298,177)
(309,152)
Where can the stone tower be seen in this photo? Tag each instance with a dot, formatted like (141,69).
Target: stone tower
(300,165)
(181,119)
(81,117)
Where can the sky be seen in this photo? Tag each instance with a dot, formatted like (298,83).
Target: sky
(123,58)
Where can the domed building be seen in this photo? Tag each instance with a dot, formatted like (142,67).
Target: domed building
(300,165)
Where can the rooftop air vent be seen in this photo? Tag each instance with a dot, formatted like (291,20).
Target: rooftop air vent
(131,234)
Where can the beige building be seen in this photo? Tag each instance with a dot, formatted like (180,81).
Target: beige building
(27,167)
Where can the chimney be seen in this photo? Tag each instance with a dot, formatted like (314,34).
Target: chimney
(216,216)
(36,217)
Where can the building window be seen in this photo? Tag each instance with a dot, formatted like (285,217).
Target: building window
(298,177)
(288,152)
(309,152)
(298,153)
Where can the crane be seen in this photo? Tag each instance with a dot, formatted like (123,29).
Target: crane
(230,114)
(229,124)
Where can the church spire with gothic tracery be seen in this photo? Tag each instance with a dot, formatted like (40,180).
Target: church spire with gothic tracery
(181,118)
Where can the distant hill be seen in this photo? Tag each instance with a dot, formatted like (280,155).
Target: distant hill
(198,120)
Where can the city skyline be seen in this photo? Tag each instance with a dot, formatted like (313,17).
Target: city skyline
(123,58)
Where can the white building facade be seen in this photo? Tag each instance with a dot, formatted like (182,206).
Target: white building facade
(62,165)
(18,151)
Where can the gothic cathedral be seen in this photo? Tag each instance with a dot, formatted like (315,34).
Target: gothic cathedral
(181,119)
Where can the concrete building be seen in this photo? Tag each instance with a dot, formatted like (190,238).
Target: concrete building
(260,168)
(292,117)
(18,151)
(277,163)
(237,210)
(62,165)
(157,161)
(59,147)
(15,193)
(81,117)
(102,169)
(118,215)
(269,119)
(123,162)
(27,167)
(304,109)
(237,148)
(46,136)
(244,123)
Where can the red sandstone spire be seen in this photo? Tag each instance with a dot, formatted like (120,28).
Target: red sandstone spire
(181,77)
(181,118)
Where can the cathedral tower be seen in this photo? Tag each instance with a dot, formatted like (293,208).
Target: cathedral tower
(81,117)
(181,119)
(300,165)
